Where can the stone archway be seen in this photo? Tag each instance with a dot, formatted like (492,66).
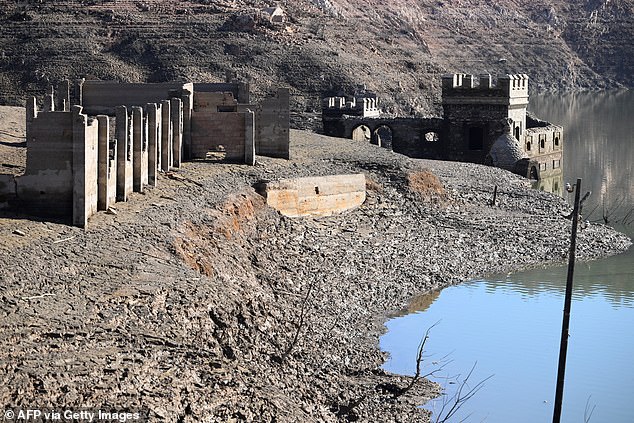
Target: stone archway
(362,133)
(383,136)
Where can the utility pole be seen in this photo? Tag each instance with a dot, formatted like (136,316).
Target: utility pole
(563,347)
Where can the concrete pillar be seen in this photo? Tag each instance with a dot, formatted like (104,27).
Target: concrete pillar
(107,170)
(153,141)
(249,137)
(166,136)
(140,159)
(124,154)
(188,104)
(85,137)
(62,100)
(177,131)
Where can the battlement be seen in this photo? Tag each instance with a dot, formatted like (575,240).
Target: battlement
(357,106)
(465,85)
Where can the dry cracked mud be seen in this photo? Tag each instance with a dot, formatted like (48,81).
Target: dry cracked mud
(196,302)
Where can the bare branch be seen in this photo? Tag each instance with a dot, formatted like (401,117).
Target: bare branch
(460,397)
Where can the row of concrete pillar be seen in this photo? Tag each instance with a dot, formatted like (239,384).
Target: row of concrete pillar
(146,140)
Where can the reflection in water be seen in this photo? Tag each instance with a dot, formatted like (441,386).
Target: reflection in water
(511,325)
(598,147)
(553,183)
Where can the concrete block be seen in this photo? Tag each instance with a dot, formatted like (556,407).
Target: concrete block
(316,196)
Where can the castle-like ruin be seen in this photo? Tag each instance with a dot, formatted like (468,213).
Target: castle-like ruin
(482,123)
(95,142)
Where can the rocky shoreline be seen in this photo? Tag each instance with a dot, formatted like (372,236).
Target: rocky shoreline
(196,302)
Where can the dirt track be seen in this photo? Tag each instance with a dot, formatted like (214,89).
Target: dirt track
(186,303)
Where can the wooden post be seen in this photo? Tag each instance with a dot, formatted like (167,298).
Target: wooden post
(563,347)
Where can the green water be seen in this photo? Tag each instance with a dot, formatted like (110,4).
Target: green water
(510,325)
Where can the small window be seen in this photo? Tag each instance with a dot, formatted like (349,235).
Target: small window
(431,137)
(556,141)
(528,146)
(556,164)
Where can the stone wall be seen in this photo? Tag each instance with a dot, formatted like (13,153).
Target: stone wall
(222,133)
(272,126)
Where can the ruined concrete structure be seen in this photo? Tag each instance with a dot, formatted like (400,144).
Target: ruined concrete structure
(76,165)
(476,116)
(315,196)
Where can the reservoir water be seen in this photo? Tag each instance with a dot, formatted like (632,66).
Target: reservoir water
(509,326)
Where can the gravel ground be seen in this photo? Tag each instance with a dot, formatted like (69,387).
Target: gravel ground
(196,302)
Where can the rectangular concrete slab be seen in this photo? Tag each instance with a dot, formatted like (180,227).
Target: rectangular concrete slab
(316,196)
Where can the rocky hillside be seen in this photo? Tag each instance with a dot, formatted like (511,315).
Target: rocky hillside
(398,49)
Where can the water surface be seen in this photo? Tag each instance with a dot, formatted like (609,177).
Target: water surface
(511,324)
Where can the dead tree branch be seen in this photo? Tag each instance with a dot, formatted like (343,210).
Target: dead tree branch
(451,406)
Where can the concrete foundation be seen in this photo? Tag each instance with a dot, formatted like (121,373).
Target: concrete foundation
(315,196)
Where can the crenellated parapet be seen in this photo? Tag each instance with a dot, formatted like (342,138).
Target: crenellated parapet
(465,88)
(359,105)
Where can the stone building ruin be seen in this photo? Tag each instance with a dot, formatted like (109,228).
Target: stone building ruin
(477,116)
(96,142)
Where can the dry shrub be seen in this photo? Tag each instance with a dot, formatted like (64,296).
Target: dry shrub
(427,185)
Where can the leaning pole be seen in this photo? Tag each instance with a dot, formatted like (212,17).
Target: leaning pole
(563,347)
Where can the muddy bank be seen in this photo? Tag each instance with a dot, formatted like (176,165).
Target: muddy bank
(196,302)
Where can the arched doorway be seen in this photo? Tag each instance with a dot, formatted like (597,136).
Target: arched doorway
(383,136)
(362,133)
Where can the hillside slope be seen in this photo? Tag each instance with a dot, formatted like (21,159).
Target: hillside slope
(399,50)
